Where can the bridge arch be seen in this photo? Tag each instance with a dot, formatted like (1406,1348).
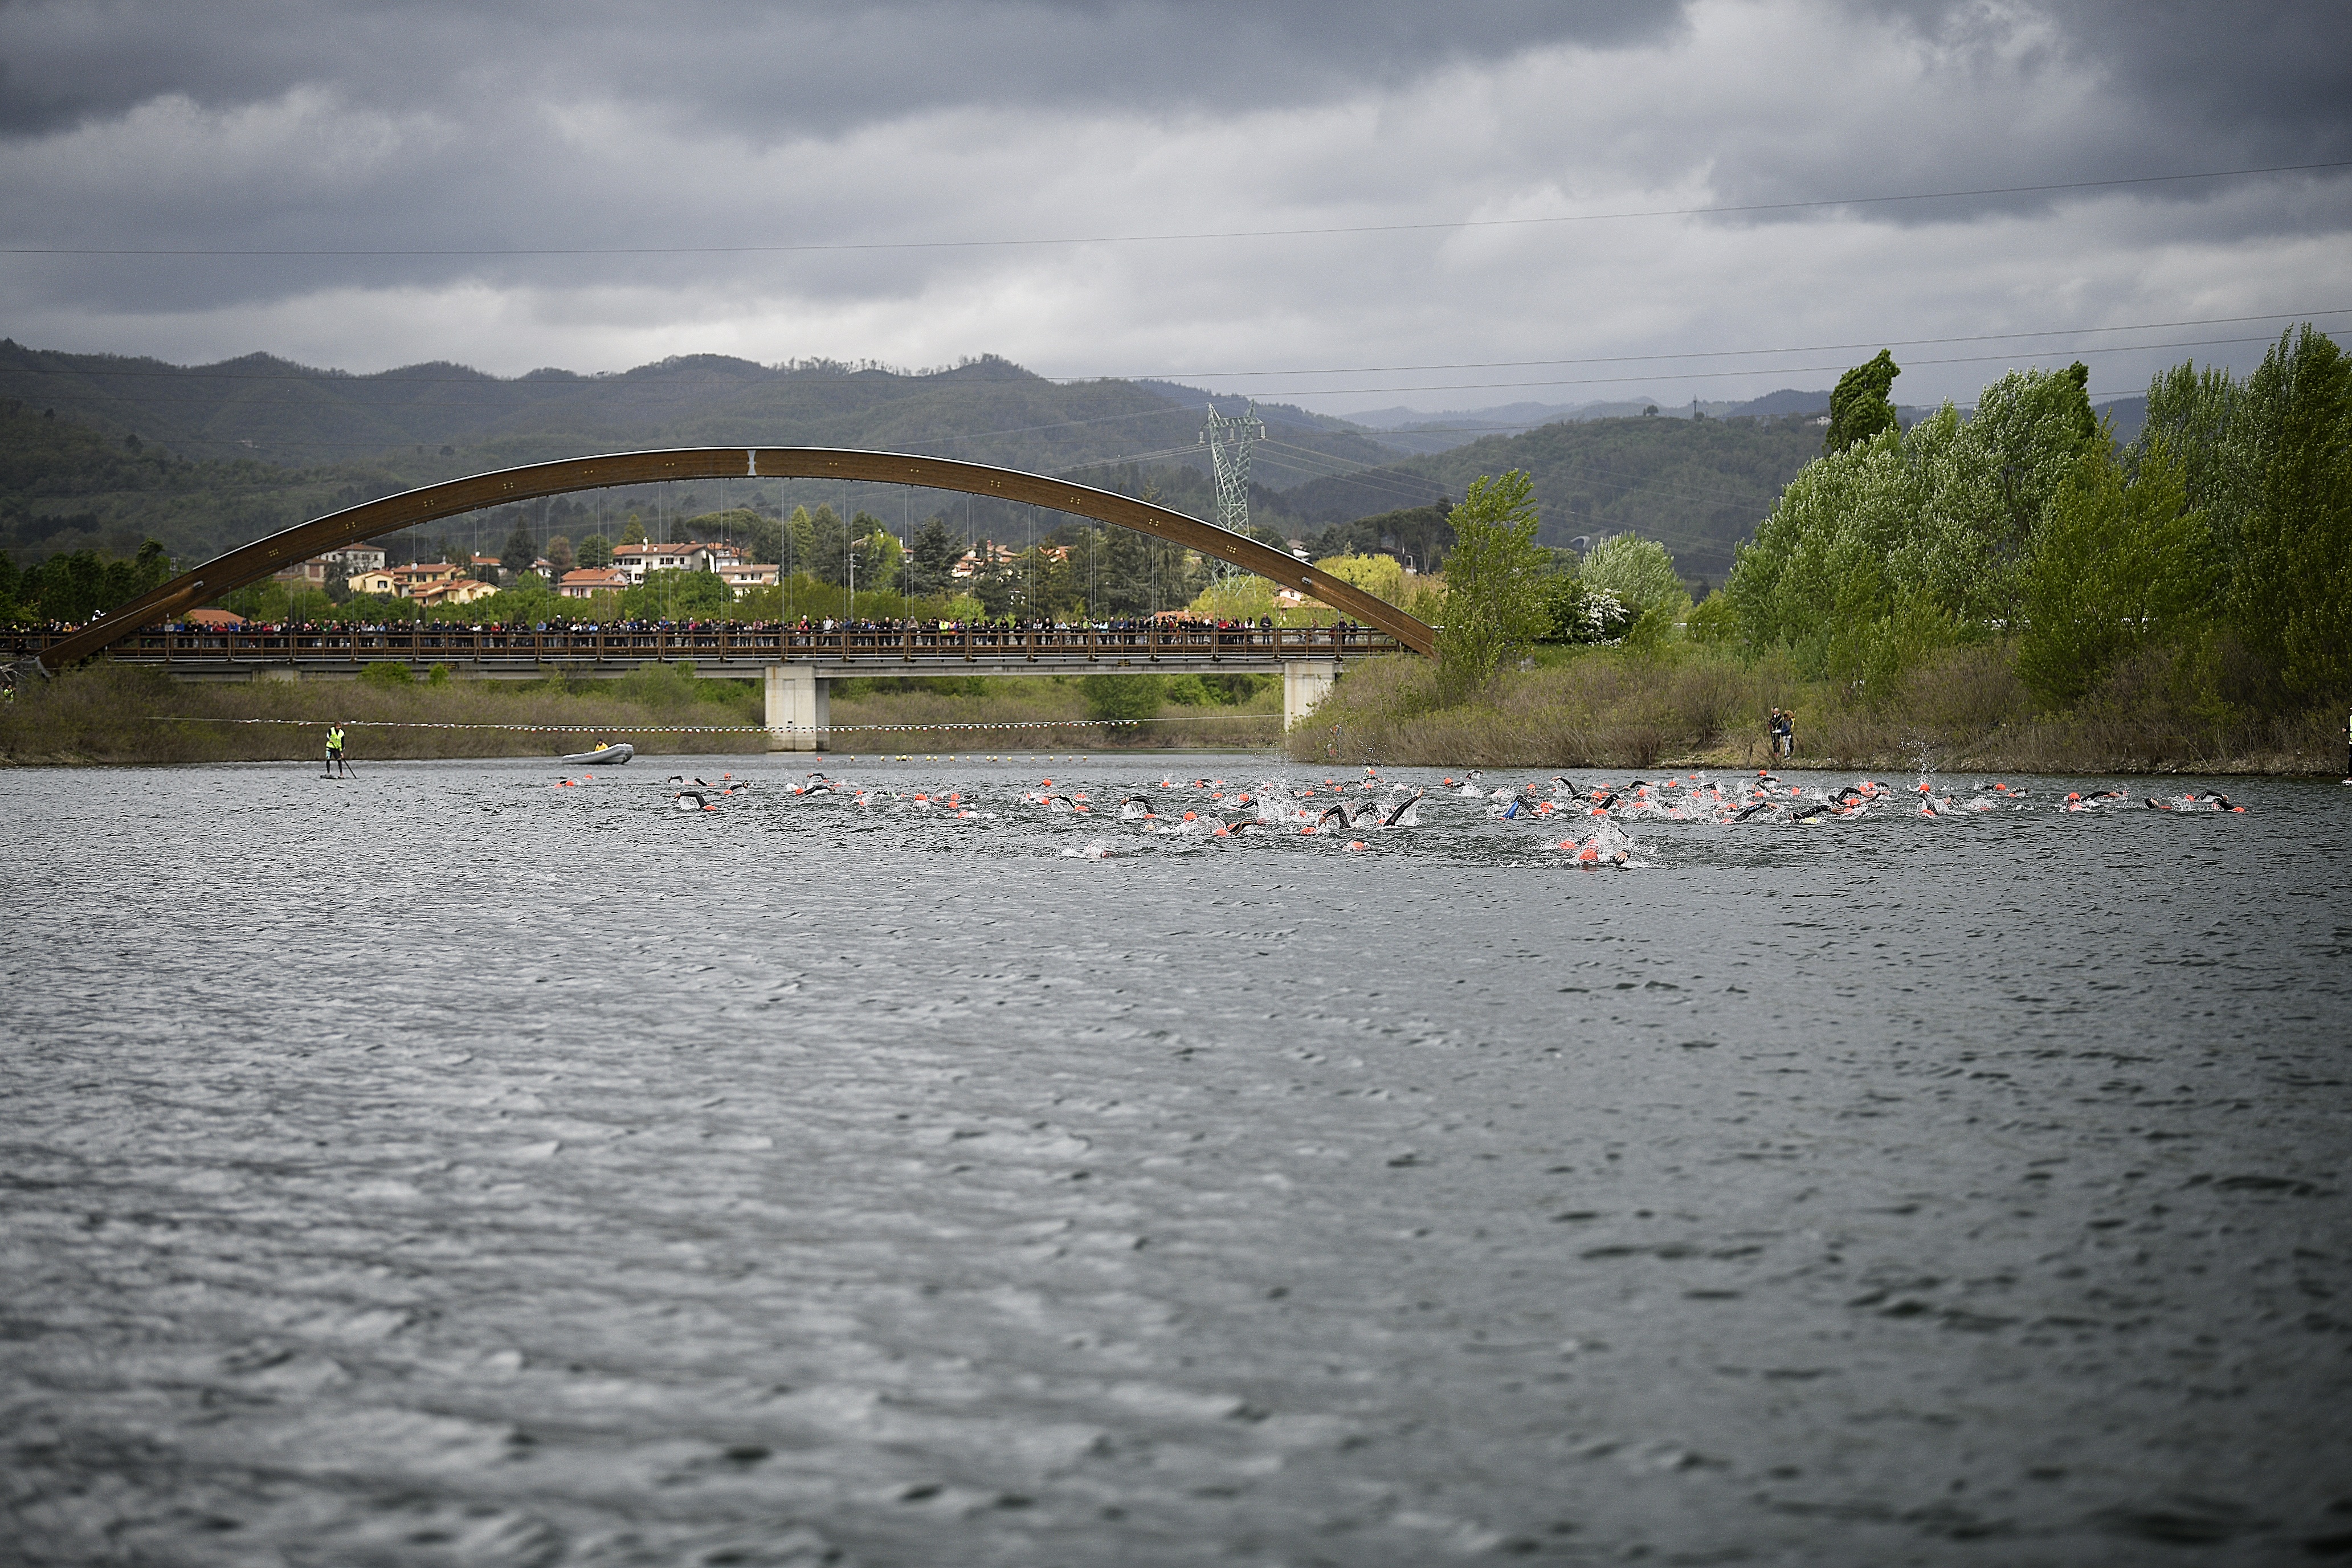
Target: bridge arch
(251,563)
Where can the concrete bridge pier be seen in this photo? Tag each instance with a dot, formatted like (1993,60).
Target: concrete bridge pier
(800,709)
(1305,683)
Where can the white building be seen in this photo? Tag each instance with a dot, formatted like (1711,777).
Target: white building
(633,561)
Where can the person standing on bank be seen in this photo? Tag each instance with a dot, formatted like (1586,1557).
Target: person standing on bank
(1788,736)
(1772,736)
(335,753)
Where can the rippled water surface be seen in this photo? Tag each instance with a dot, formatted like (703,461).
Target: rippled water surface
(449,1168)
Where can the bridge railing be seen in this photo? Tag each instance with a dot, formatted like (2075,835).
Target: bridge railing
(428,644)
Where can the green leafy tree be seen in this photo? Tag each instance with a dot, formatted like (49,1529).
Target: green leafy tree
(1495,584)
(387,675)
(2291,597)
(1860,407)
(673,595)
(520,552)
(931,558)
(1715,619)
(559,558)
(763,542)
(828,546)
(1563,607)
(878,557)
(2119,564)
(1118,698)
(596,551)
(1640,572)
(634,531)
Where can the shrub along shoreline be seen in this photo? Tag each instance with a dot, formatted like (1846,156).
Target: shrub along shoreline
(1963,710)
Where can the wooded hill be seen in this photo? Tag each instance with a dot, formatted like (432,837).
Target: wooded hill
(99,451)
(989,410)
(1698,487)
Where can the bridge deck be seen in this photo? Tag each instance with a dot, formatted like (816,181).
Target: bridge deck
(728,650)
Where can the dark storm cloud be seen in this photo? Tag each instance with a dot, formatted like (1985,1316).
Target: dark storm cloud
(377,129)
(2084,90)
(768,69)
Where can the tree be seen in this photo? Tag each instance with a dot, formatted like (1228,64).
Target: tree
(991,584)
(1640,572)
(1714,620)
(1495,584)
(764,541)
(596,551)
(2119,562)
(828,547)
(879,555)
(635,532)
(2292,595)
(1382,576)
(1121,698)
(930,559)
(521,550)
(1859,407)
(798,554)
(559,558)
(672,595)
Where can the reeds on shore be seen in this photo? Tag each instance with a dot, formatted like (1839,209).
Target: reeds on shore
(1963,710)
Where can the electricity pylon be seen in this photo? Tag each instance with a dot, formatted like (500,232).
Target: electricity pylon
(1229,440)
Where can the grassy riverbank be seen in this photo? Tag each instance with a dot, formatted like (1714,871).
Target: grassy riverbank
(1963,710)
(110,714)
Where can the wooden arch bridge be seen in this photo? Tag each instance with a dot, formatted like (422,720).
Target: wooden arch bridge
(796,665)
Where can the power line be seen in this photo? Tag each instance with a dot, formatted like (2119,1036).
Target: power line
(1442,225)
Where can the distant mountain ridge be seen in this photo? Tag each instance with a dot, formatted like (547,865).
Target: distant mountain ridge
(989,410)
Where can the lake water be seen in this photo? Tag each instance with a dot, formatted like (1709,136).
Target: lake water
(445,1167)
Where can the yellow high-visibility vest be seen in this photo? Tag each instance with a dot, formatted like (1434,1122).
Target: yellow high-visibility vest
(334,739)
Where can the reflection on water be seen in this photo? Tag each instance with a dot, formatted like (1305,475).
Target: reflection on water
(453,1167)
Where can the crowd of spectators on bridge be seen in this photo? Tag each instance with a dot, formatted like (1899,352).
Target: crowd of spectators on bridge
(802,626)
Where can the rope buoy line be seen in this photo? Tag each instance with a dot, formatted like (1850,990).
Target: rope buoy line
(707,729)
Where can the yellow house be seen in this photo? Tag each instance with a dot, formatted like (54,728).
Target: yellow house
(376,582)
(460,591)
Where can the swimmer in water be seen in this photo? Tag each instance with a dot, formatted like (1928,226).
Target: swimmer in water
(1397,818)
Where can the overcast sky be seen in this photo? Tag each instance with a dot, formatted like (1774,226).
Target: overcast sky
(896,133)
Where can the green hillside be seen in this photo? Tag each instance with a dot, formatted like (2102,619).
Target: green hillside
(65,487)
(1698,487)
(104,451)
(989,410)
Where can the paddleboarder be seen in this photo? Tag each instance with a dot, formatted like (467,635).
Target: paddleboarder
(335,754)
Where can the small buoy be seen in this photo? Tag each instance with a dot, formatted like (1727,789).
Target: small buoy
(1355,843)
